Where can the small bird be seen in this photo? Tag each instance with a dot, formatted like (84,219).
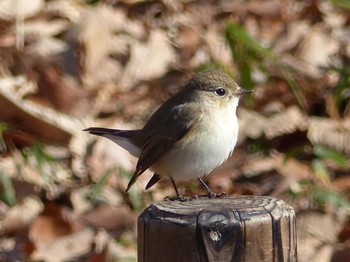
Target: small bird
(192,133)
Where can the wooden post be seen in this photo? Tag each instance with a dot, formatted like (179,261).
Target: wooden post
(235,228)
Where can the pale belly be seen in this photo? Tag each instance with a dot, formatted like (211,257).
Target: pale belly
(208,147)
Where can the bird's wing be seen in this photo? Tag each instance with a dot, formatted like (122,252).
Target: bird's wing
(173,127)
(154,180)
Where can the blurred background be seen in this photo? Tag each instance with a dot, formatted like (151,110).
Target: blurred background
(70,64)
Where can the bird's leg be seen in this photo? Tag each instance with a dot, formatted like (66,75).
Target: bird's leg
(178,195)
(175,188)
(210,194)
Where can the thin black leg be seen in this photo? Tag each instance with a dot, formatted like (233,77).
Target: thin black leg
(210,192)
(175,187)
(178,195)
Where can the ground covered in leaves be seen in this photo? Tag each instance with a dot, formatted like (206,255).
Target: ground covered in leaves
(69,64)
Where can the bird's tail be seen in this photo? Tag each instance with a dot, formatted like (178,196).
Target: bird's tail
(123,138)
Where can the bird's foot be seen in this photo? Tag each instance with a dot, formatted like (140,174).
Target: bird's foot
(221,195)
(209,195)
(178,198)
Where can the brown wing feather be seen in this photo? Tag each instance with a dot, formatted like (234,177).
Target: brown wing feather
(159,141)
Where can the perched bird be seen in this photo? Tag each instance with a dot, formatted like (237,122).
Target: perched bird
(189,135)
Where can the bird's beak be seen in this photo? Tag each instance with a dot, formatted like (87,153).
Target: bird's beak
(243,91)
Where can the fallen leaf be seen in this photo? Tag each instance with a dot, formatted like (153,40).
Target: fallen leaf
(66,247)
(48,227)
(38,120)
(43,28)
(47,47)
(189,39)
(317,234)
(329,132)
(19,217)
(287,121)
(217,45)
(114,219)
(64,95)
(9,9)
(317,49)
(147,60)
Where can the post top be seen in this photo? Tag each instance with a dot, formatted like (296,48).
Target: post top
(248,205)
(233,228)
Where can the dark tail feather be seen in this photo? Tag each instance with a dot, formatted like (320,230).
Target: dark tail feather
(100,131)
(155,178)
(133,179)
(123,138)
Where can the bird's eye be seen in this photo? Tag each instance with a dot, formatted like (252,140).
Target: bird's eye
(220,91)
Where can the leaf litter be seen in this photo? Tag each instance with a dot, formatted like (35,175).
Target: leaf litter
(66,65)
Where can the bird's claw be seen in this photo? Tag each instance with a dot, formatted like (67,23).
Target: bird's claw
(209,195)
(178,198)
(185,199)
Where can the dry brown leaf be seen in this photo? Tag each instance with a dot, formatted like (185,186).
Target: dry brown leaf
(251,124)
(295,32)
(45,123)
(54,177)
(317,49)
(266,8)
(70,9)
(47,47)
(48,227)
(10,9)
(80,202)
(342,184)
(116,251)
(19,217)
(95,31)
(257,165)
(217,45)
(61,92)
(291,168)
(299,66)
(317,234)
(42,28)
(147,60)
(189,39)
(332,16)
(329,132)
(287,121)
(116,219)
(66,248)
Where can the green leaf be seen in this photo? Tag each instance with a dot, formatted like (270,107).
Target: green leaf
(8,193)
(239,38)
(322,196)
(345,4)
(326,153)
(97,189)
(3,147)
(321,170)
(341,92)
(247,52)
(294,86)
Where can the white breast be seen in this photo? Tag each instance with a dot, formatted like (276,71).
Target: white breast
(208,147)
